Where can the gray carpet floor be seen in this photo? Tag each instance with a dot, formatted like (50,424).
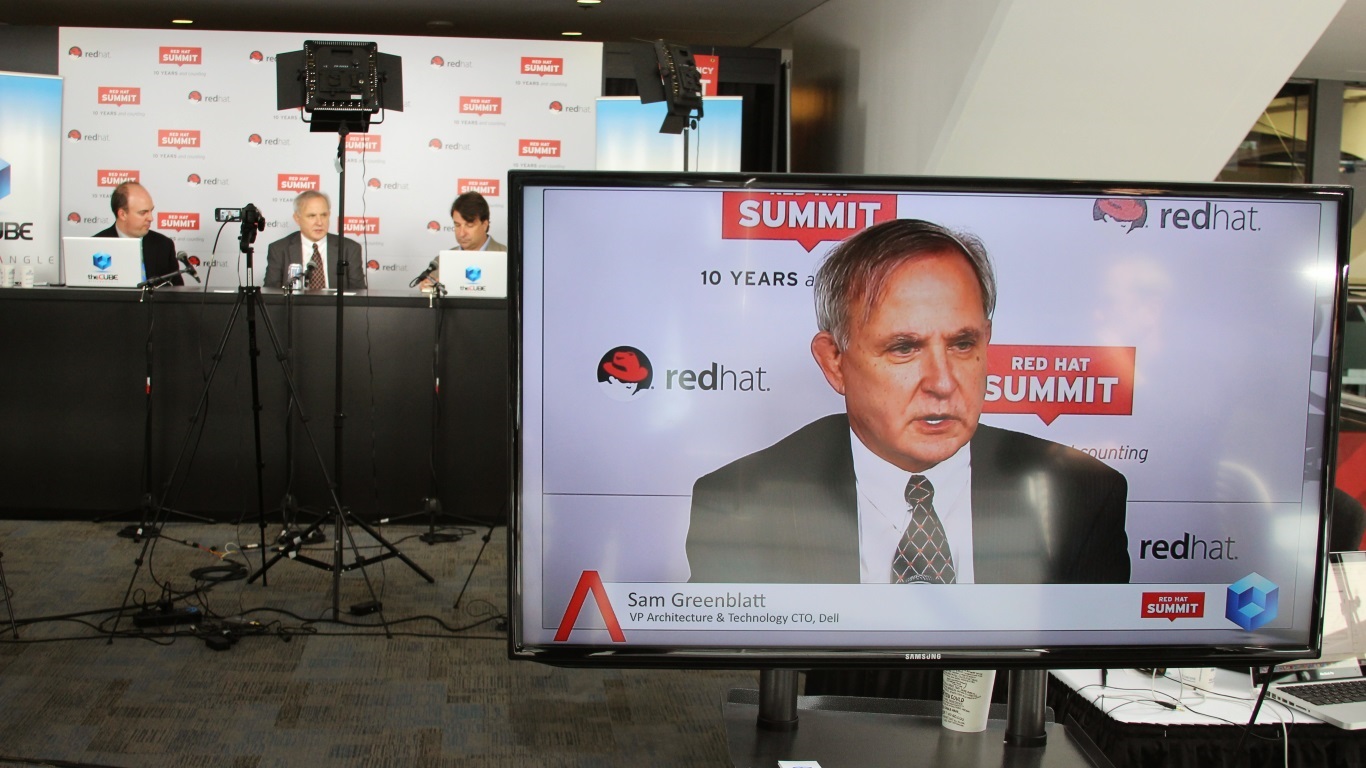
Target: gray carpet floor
(297,691)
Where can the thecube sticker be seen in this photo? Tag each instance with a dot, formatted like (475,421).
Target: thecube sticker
(1252,602)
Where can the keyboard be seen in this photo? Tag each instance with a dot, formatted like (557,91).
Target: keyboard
(1340,692)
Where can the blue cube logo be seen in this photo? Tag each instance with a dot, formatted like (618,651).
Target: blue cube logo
(1252,602)
(473,274)
(4,177)
(102,260)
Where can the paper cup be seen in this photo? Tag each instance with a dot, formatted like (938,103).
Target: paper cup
(967,699)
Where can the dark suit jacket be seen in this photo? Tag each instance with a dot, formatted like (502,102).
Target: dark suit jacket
(289,250)
(1042,513)
(158,254)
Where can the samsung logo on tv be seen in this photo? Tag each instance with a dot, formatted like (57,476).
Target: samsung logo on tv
(923,656)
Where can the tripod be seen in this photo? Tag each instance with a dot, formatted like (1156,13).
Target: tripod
(147,508)
(431,506)
(343,516)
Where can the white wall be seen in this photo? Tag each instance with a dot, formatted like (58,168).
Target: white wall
(1044,88)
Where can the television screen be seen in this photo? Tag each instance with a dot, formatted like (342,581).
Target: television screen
(846,420)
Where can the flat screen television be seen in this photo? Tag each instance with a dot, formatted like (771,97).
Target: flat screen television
(1131,451)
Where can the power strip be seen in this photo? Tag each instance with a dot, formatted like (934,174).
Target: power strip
(187,615)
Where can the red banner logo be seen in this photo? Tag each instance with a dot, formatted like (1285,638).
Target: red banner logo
(589,582)
(539,65)
(1049,381)
(481,105)
(808,218)
(177,221)
(120,96)
(115,178)
(297,182)
(361,225)
(362,142)
(538,147)
(1173,605)
(180,56)
(178,139)
(485,187)
(708,67)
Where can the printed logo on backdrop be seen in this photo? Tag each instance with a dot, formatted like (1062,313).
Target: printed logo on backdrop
(119,96)
(180,56)
(542,66)
(361,225)
(433,226)
(1130,213)
(1252,601)
(195,180)
(806,218)
(178,139)
(75,135)
(363,142)
(558,108)
(481,105)
(297,182)
(111,178)
(538,147)
(485,187)
(257,140)
(624,372)
(76,52)
(439,62)
(1049,381)
(1173,605)
(256,57)
(73,217)
(199,97)
(437,145)
(177,222)
(589,582)
(374,183)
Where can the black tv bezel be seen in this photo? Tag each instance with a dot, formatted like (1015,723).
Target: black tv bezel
(977,657)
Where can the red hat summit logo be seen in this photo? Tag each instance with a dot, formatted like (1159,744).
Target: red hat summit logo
(624,372)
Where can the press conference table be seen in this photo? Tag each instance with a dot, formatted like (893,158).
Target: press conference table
(72,401)
(1131,729)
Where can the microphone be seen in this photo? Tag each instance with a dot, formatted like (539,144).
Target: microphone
(189,268)
(424,274)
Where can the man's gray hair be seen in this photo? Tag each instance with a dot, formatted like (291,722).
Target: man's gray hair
(856,270)
(309,194)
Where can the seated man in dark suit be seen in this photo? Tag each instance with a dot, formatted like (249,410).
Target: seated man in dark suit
(133,208)
(907,486)
(314,248)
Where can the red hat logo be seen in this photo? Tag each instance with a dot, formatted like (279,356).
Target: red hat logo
(1127,211)
(73,135)
(256,56)
(434,144)
(196,96)
(373,183)
(437,61)
(195,261)
(624,372)
(74,52)
(556,106)
(73,217)
(372,265)
(433,226)
(255,138)
(193,179)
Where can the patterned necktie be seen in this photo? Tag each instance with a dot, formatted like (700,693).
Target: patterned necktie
(923,556)
(317,279)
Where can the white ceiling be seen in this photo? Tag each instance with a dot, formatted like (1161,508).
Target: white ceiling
(1339,55)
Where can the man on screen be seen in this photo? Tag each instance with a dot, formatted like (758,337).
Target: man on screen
(132,206)
(314,248)
(907,486)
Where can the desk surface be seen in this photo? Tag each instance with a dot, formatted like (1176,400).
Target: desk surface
(1130,696)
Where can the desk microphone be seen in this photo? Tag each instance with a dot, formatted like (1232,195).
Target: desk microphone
(425,273)
(189,268)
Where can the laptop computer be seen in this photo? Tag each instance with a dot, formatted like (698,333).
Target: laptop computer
(1333,687)
(102,262)
(474,274)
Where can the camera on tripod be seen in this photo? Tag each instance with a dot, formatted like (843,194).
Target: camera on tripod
(251,218)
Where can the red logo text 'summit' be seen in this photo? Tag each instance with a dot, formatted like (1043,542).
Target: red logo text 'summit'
(539,65)
(180,56)
(1173,605)
(481,105)
(1049,381)
(589,582)
(297,182)
(808,218)
(177,221)
(115,178)
(178,139)
(361,225)
(120,96)
(485,187)
(362,142)
(538,147)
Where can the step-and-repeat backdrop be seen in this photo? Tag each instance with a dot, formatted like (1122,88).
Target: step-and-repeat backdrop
(191,116)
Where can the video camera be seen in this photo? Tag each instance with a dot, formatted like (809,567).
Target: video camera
(251,218)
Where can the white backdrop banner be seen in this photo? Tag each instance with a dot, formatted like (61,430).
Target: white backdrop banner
(191,115)
(30,156)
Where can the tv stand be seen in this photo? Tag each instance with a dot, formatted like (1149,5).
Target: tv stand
(773,723)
